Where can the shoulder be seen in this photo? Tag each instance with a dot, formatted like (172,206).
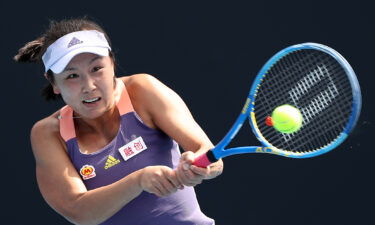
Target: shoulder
(45,132)
(145,90)
(150,97)
(47,125)
(141,83)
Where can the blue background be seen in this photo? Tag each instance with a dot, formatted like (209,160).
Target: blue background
(208,52)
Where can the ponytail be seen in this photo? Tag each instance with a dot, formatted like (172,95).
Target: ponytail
(31,52)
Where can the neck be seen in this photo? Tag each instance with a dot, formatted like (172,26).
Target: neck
(106,125)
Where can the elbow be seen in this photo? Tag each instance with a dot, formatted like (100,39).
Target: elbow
(78,217)
(77,211)
(73,217)
(80,220)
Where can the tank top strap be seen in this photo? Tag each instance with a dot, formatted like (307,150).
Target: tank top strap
(124,103)
(67,130)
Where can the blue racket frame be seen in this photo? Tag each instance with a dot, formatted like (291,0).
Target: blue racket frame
(219,150)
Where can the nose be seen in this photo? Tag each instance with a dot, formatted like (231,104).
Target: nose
(88,84)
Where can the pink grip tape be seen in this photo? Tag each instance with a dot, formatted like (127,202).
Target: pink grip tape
(202,161)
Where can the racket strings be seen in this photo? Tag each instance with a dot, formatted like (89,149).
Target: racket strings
(315,106)
(315,83)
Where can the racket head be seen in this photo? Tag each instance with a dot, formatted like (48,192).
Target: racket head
(307,76)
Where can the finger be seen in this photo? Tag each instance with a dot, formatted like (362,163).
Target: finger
(193,176)
(193,179)
(173,178)
(168,186)
(193,184)
(170,181)
(201,171)
(185,166)
(182,176)
(188,157)
(162,182)
(160,188)
(155,190)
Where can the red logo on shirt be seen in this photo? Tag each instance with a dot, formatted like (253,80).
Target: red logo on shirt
(138,146)
(128,151)
(132,148)
(87,172)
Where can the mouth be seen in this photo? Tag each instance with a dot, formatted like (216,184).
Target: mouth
(91,100)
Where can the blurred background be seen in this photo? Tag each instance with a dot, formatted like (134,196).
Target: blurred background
(209,52)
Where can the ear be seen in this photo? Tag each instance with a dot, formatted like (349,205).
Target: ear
(56,90)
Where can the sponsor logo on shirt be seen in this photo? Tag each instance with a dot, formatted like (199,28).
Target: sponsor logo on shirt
(111,161)
(87,172)
(132,148)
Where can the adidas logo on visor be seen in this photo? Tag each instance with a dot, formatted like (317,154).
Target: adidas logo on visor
(74,41)
(56,56)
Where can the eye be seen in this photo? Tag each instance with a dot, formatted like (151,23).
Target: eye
(96,68)
(71,76)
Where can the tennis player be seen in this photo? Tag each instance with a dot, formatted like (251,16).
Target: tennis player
(111,155)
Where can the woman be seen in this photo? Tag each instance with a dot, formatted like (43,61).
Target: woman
(110,156)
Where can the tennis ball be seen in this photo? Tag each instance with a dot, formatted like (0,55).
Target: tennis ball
(286,119)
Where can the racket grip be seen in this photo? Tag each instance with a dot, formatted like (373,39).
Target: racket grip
(205,159)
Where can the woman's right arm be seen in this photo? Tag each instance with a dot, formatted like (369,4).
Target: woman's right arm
(63,189)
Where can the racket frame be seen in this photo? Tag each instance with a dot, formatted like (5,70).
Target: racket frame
(219,150)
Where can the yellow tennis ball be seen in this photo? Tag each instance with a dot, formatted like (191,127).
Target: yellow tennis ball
(286,119)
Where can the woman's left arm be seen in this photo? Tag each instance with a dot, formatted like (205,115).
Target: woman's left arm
(161,108)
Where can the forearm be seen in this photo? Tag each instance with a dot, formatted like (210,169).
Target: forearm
(97,205)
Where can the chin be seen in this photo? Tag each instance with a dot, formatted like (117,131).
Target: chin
(94,114)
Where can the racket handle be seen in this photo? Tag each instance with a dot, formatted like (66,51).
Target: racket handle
(205,159)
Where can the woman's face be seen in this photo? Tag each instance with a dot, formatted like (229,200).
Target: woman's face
(87,84)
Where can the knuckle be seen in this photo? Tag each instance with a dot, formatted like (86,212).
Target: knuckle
(158,173)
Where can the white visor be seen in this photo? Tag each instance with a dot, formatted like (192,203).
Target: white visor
(59,54)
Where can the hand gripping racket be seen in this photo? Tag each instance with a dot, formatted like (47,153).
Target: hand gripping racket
(311,77)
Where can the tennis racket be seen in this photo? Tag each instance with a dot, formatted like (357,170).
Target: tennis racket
(313,78)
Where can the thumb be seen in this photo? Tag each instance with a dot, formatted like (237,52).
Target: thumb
(187,158)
